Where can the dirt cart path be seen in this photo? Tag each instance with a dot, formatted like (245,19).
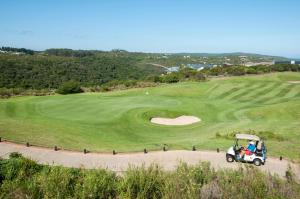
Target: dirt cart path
(120,162)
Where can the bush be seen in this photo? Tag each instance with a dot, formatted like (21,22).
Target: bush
(171,78)
(23,178)
(57,182)
(15,155)
(186,181)
(143,183)
(97,184)
(69,88)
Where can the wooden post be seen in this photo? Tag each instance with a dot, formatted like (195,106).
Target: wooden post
(194,148)
(145,150)
(218,150)
(164,148)
(280,158)
(55,148)
(0,139)
(84,151)
(114,152)
(27,144)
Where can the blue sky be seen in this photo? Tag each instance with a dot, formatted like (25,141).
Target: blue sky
(258,26)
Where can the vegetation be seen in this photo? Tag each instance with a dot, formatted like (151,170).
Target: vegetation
(242,70)
(120,120)
(69,52)
(10,92)
(44,71)
(17,50)
(265,135)
(51,68)
(24,178)
(69,88)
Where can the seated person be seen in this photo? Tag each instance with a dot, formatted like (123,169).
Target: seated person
(250,149)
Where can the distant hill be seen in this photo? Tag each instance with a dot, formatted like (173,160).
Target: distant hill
(234,54)
(20,67)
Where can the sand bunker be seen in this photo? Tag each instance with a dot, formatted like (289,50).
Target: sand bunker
(294,82)
(181,120)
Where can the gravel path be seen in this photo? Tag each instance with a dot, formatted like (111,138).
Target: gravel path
(120,162)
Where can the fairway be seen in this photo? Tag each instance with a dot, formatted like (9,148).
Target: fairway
(121,120)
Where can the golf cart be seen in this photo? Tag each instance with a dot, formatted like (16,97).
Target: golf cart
(254,153)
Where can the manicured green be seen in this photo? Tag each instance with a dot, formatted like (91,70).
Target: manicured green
(120,120)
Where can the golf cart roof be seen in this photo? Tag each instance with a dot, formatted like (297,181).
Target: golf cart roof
(247,137)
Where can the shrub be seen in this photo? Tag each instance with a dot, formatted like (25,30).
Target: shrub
(23,178)
(97,184)
(143,183)
(15,155)
(186,181)
(199,76)
(57,182)
(171,78)
(69,88)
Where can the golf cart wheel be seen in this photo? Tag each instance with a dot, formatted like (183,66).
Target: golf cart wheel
(257,162)
(229,158)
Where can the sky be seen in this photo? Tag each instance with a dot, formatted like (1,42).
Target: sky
(204,26)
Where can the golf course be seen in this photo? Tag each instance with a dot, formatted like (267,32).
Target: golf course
(120,120)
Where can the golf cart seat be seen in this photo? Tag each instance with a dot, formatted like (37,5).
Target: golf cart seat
(259,148)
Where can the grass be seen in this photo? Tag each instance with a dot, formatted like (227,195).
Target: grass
(24,178)
(120,120)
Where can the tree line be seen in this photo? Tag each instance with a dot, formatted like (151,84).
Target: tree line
(43,71)
(20,50)
(99,70)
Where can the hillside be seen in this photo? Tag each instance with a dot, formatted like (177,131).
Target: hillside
(25,68)
(49,71)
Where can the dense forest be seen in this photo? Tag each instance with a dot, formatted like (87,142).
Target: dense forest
(52,68)
(50,71)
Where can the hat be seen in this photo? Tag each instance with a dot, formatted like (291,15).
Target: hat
(251,142)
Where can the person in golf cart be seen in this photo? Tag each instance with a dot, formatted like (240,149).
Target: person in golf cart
(251,148)
(254,153)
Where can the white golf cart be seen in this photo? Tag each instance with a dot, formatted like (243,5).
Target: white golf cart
(236,152)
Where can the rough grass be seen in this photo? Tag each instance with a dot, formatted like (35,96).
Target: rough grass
(120,120)
(265,135)
(23,178)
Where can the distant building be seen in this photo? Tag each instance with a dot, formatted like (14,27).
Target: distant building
(173,69)
(288,62)
(197,66)
(227,64)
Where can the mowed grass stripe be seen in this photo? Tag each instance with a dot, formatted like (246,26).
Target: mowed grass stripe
(261,95)
(270,95)
(284,91)
(288,93)
(120,120)
(229,92)
(247,91)
(253,93)
(281,95)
